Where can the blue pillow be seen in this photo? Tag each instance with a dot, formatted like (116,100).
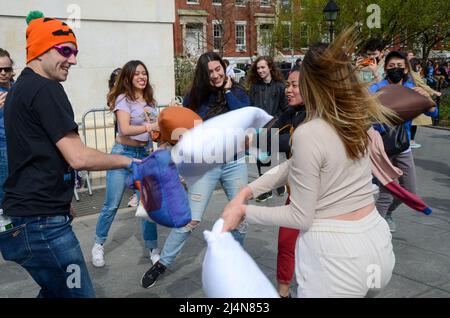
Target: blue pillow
(162,194)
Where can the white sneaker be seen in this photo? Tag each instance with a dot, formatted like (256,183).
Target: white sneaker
(133,202)
(98,259)
(154,255)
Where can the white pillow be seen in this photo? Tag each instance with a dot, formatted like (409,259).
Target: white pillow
(215,141)
(229,272)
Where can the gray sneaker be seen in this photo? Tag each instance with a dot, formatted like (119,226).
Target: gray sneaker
(391,223)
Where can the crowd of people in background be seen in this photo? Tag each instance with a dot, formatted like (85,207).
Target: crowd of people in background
(326,176)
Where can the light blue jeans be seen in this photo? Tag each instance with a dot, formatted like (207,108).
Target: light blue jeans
(233,177)
(115,187)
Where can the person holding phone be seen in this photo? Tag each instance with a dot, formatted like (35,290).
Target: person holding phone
(371,68)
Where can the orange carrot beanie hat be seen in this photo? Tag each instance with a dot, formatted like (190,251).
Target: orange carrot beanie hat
(44,33)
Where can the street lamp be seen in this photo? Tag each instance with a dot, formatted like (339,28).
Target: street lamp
(331,12)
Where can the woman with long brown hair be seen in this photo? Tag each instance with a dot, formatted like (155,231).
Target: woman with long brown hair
(131,99)
(212,93)
(344,248)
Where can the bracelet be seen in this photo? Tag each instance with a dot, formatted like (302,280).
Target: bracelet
(227,90)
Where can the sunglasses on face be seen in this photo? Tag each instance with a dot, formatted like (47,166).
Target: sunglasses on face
(65,50)
(6,69)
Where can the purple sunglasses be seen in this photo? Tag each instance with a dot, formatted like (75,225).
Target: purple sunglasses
(65,50)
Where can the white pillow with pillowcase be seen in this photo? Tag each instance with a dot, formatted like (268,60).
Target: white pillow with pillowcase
(228,271)
(215,141)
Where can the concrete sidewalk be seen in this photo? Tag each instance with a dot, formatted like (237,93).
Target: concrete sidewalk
(421,243)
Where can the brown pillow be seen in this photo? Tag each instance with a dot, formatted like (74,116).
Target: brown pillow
(407,103)
(174,117)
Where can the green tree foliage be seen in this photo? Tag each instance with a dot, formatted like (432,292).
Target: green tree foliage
(415,24)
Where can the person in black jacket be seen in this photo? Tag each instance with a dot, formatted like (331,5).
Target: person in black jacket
(284,125)
(267,92)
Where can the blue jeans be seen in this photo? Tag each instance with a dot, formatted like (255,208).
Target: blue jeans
(48,249)
(115,187)
(233,177)
(3,172)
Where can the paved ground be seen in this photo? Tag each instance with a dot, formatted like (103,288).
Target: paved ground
(421,243)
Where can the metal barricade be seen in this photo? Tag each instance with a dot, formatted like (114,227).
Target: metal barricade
(101,136)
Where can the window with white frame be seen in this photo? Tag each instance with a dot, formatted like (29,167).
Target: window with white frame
(265,3)
(241,45)
(193,2)
(286,35)
(240,2)
(217,2)
(217,35)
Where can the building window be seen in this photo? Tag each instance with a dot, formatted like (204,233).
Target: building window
(286,4)
(240,37)
(217,35)
(265,3)
(240,2)
(286,35)
(192,1)
(304,31)
(217,2)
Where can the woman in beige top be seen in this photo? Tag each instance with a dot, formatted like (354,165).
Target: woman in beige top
(345,248)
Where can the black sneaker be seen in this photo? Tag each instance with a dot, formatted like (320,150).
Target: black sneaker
(281,191)
(264,197)
(151,276)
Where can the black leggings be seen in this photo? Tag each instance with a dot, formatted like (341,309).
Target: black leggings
(413,131)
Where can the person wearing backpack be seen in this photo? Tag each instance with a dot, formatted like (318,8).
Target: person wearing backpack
(398,73)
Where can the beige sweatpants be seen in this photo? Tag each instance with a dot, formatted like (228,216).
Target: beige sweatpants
(344,258)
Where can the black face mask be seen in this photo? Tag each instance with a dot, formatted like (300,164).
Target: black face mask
(395,75)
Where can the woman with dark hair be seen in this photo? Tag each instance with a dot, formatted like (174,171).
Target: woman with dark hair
(131,99)
(212,93)
(267,92)
(344,248)
(113,77)
(286,124)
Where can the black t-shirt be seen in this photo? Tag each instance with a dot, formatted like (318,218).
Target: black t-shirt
(37,115)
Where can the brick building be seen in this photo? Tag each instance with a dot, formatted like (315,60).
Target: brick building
(236,29)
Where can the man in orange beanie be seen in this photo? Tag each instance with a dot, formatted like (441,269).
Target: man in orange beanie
(44,148)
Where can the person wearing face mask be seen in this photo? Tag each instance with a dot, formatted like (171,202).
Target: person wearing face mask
(212,93)
(373,72)
(398,73)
